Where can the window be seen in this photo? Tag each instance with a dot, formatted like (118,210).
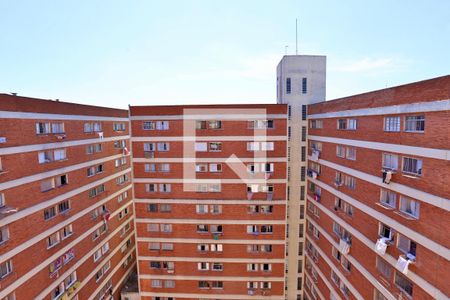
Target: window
(316,124)
(91,171)
(61,180)
(122,179)
(52,240)
(89,149)
(217,266)
(386,231)
(350,182)
(119,126)
(335,278)
(201,147)
(406,245)
(351,124)
(403,283)
(288,85)
(390,161)
(252,267)
(392,124)
(215,124)
(151,187)
(67,231)
(303,133)
(203,266)
(42,128)
(57,127)
(98,147)
(166,228)
(149,146)
(70,280)
(63,206)
(49,213)
(261,124)
(202,208)
(342,124)
(388,198)
(216,229)
(351,153)
(340,151)
(153,227)
(58,291)
(215,146)
(169,283)
(59,154)
(97,127)
(96,191)
(215,168)
(304,85)
(200,124)
(5,268)
(156,283)
(415,123)
(155,125)
(316,145)
(202,247)
(216,209)
(216,247)
(4,234)
(150,167)
(167,246)
(412,166)
(203,284)
(162,125)
(88,127)
(163,147)
(164,167)
(266,285)
(154,246)
(409,206)
(45,156)
(217,284)
(149,125)
(165,208)
(165,187)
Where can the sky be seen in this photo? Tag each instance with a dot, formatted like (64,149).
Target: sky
(115,53)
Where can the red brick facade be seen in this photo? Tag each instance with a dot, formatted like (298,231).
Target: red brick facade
(421,116)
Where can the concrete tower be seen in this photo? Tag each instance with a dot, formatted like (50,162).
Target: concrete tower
(300,82)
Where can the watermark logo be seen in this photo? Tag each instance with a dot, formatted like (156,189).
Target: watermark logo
(205,146)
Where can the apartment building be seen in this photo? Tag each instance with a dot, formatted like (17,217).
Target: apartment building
(378,195)
(66,211)
(304,199)
(210,200)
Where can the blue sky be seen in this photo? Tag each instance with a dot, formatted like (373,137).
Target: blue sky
(115,53)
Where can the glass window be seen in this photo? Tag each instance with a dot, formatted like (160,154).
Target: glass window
(390,161)
(403,283)
(409,206)
(412,166)
(415,123)
(392,124)
(304,85)
(388,198)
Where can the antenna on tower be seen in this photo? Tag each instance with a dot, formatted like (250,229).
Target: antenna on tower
(296,38)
